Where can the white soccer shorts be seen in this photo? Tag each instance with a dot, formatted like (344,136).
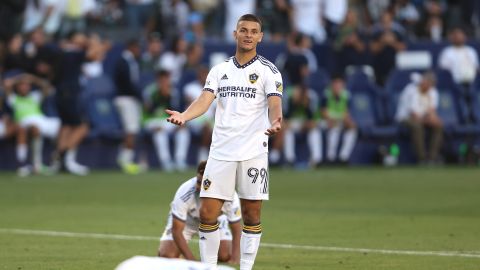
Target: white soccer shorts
(48,126)
(190,231)
(248,177)
(130,111)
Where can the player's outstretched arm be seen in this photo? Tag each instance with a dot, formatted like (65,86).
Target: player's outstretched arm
(275,115)
(197,108)
(177,232)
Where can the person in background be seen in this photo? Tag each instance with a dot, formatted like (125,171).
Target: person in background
(307,18)
(8,128)
(74,15)
(45,15)
(201,126)
(300,119)
(276,15)
(417,110)
(151,57)
(387,39)
(159,96)
(128,103)
(28,115)
(335,112)
(140,15)
(174,59)
(462,62)
(70,109)
(348,45)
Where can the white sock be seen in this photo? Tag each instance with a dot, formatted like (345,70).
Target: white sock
(37,147)
(160,139)
(182,142)
(348,144)
(314,138)
(22,152)
(209,243)
(70,155)
(126,156)
(249,243)
(289,146)
(333,137)
(202,153)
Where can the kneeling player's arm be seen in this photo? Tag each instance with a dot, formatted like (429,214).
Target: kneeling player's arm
(236,235)
(199,106)
(177,232)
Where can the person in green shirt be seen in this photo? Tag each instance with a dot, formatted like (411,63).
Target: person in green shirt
(157,97)
(28,115)
(335,113)
(300,114)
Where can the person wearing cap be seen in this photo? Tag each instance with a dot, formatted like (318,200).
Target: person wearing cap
(417,110)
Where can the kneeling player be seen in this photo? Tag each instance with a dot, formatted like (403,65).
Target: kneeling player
(183,222)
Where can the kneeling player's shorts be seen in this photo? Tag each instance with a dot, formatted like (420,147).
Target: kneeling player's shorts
(189,231)
(248,177)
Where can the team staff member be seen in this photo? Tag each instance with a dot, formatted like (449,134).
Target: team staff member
(248,89)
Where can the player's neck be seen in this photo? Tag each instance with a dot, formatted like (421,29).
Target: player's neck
(245,57)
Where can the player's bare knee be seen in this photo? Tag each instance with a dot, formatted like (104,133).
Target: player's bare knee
(208,215)
(251,215)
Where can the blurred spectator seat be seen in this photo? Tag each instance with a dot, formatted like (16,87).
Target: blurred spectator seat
(98,96)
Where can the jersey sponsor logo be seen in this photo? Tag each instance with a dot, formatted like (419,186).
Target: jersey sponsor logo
(253,77)
(224,77)
(279,86)
(237,91)
(206,184)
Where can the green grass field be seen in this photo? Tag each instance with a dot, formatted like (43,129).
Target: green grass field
(377,214)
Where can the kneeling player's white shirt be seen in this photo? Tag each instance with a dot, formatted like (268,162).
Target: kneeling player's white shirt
(241,118)
(186,205)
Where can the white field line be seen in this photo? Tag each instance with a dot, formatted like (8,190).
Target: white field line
(464,254)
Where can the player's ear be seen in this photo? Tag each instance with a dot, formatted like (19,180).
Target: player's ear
(234,34)
(261,37)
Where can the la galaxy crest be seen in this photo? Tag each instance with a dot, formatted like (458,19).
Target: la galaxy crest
(279,86)
(253,77)
(206,184)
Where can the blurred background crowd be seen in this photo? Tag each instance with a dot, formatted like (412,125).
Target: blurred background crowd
(84,83)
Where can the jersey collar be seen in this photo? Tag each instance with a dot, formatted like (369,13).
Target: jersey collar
(246,64)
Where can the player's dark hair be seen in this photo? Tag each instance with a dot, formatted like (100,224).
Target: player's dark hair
(250,18)
(201,166)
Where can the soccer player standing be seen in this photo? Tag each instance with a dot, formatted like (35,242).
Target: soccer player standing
(249,109)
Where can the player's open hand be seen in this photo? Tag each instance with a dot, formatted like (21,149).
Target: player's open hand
(175,118)
(275,127)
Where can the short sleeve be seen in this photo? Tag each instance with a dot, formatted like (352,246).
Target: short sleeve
(273,83)
(179,205)
(211,83)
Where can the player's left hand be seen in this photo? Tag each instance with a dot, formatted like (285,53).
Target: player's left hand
(175,118)
(275,127)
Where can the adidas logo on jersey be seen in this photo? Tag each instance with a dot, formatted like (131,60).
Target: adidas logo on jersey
(224,77)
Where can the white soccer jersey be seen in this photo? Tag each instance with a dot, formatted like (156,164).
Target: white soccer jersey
(186,205)
(241,118)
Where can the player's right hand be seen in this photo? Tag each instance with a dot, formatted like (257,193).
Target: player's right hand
(175,117)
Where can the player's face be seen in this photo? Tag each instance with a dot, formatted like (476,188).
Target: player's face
(248,35)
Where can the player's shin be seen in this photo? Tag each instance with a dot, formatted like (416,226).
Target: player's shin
(249,244)
(209,243)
